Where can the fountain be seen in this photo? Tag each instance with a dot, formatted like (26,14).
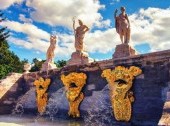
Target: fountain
(126,90)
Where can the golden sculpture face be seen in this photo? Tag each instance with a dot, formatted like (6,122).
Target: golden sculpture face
(120,81)
(41,88)
(74,83)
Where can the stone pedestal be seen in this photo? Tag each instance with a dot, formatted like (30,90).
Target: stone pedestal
(79,58)
(123,50)
(48,66)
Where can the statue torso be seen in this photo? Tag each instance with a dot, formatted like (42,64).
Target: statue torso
(80,31)
(123,21)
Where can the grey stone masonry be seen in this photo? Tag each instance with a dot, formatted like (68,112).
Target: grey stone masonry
(151,91)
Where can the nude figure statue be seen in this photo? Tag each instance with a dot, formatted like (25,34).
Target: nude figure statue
(122,25)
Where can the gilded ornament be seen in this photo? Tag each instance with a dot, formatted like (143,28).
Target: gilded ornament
(120,81)
(74,83)
(41,88)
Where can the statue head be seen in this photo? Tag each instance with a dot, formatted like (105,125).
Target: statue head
(122,9)
(53,38)
(80,22)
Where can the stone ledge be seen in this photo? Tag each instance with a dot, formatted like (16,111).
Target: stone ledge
(153,57)
(147,88)
(142,59)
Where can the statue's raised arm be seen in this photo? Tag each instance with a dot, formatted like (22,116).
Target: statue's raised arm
(115,14)
(74,25)
(116,21)
(86,28)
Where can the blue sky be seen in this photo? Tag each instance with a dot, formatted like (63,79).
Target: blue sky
(32,21)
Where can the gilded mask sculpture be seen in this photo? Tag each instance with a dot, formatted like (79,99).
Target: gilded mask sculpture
(74,83)
(120,81)
(41,88)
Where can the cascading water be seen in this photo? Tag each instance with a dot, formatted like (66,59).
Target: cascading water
(56,101)
(97,108)
(100,110)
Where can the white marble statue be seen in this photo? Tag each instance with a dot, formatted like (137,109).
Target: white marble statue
(51,49)
(49,63)
(79,33)
(122,25)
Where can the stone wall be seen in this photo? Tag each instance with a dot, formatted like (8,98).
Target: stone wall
(11,88)
(150,90)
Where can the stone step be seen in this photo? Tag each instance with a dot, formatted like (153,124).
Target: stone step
(8,82)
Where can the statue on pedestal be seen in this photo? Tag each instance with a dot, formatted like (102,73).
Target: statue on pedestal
(79,33)
(49,63)
(122,25)
(80,56)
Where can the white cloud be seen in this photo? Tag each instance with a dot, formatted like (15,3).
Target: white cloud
(30,43)
(58,12)
(37,52)
(151,26)
(63,50)
(26,28)
(114,1)
(39,59)
(6,3)
(147,26)
(103,23)
(102,41)
(24,19)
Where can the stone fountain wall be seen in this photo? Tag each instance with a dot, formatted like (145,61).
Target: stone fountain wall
(151,91)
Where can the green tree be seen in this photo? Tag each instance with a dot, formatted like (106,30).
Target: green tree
(4,33)
(61,63)
(9,62)
(37,65)
(24,61)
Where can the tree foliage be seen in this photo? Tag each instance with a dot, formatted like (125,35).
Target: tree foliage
(61,63)
(9,62)
(4,33)
(38,64)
